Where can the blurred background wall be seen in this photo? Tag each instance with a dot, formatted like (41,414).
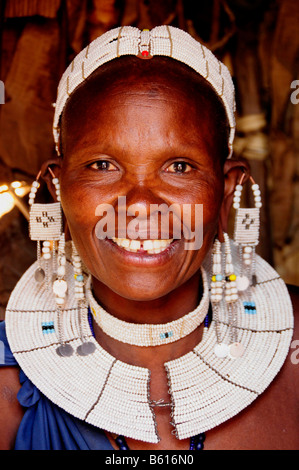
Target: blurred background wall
(257,39)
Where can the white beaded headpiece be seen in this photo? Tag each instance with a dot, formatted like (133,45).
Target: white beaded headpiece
(161,41)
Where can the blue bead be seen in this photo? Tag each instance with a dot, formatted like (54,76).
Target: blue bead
(218,277)
(199,445)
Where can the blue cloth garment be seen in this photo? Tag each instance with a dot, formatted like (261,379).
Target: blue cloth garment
(45,426)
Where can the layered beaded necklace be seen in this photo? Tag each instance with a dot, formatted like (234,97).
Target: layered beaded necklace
(196,442)
(205,390)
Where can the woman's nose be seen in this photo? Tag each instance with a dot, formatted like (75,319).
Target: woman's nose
(140,199)
(142,213)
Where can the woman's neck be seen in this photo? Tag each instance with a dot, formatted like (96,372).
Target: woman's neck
(171,307)
(165,309)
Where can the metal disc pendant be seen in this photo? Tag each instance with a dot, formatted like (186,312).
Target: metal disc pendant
(242,283)
(86,348)
(65,350)
(236,350)
(221,350)
(39,275)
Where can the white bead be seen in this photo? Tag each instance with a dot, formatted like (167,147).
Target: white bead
(242,283)
(239,187)
(79,296)
(59,300)
(31,201)
(237,193)
(35,184)
(248,249)
(255,186)
(221,350)
(47,255)
(46,243)
(218,258)
(246,255)
(247,261)
(55,180)
(61,270)
(236,205)
(258,205)
(229,268)
(217,268)
(60,287)
(45,249)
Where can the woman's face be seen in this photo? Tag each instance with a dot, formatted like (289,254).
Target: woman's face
(149,141)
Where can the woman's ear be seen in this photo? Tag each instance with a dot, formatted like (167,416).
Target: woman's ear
(233,171)
(48,169)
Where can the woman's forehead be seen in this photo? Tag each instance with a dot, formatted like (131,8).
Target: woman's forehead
(130,86)
(155,77)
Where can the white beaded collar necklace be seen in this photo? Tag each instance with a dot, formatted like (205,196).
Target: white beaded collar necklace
(149,334)
(205,390)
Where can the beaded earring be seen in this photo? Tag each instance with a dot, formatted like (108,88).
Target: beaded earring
(246,234)
(87,347)
(45,225)
(60,289)
(224,295)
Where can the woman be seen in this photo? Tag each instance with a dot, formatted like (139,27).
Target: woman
(134,135)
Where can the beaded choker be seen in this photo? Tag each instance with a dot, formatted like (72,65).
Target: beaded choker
(149,334)
(205,390)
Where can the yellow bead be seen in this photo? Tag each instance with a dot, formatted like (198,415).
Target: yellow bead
(232,277)
(214,278)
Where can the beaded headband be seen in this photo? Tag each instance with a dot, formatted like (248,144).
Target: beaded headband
(165,41)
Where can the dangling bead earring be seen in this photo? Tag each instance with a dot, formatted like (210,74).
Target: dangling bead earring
(224,284)
(45,225)
(60,289)
(87,347)
(235,348)
(217,283)
(246,234)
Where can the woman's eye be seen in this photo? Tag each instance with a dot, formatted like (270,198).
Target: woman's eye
(179,167)
(103,165)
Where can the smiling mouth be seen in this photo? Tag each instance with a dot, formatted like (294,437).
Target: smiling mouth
(143,246)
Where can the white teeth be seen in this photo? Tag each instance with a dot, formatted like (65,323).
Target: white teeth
(150,246)
(135,245)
